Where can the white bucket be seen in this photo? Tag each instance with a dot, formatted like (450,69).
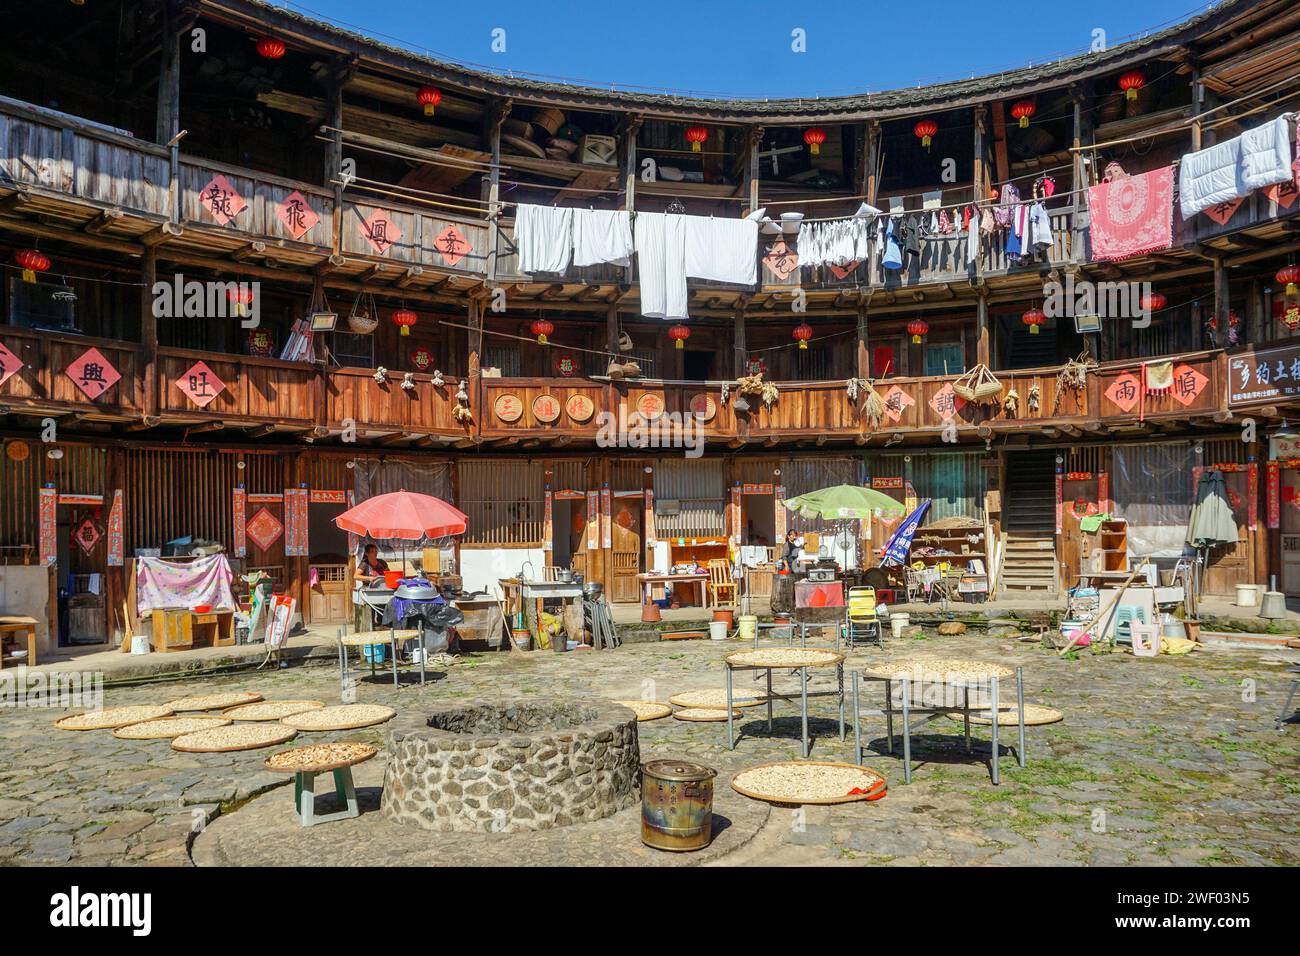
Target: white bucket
(748,626)
(718,630)
(1247,595)
(140,644)
(898,622)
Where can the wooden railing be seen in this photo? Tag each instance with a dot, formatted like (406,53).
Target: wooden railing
(262,195)
(255,389)
(44,384)
(354,397)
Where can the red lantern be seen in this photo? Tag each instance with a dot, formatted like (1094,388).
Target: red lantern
(925,130)
(1022,111)
(421,358)
(404,319)
(679,333)
(1034,318)
(542,328)
(31,261)
(803,332)
(269,49)
(814,137)
(240,298)
(696,135)
(1130,83)
(1153,302)
(429,98)
(1290,275)
(917,328)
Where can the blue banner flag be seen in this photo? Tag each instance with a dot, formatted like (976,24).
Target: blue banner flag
(900,545)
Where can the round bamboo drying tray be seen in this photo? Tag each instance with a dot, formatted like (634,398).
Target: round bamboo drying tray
(377,637)
(340,717)
(646,709)
(946,670)
(271,709)
(220,740)
(702,715)
(319,758)
(780,782)
(113,717)
(1035,716)
(167,727)
(783,657)
(716,698)
(213,701)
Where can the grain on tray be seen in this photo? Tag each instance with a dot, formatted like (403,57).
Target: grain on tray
(213,701)
(799,782)
(112,717)
(783,657)
(716,698)
(167,727)
(315,756)
(943,670)
(703,714)
(234,737)
(646,709)
(340,717)
(272,709)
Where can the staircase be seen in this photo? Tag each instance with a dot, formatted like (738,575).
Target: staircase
(1029,523)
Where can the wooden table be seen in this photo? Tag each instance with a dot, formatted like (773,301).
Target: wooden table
(648,581)
(18,624)
(181,629)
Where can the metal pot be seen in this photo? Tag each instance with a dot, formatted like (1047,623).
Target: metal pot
(676,805)
(592,590)
(564,576)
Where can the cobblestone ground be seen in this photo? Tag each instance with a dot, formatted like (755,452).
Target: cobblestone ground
(1162,761)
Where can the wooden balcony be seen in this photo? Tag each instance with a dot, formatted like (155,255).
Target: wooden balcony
(256,390)
(352,397)
(43,386)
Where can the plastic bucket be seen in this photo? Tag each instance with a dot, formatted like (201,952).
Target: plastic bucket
(521,640)
(726,615)
(717,630)
(1247,595)
(374,653)
(391,578)
(748,626)
(140,644)
(1071,628)
(899,622)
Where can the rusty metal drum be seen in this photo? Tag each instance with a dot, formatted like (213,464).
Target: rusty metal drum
(676,805)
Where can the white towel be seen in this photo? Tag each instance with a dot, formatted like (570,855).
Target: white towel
(722,250)
(601,235)
(660,240)
(544,235)
(973,237)
(1266,155)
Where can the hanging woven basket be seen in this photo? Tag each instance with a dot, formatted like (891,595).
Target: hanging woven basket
(978,385)
(364,317)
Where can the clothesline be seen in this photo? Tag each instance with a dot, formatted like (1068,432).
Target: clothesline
(549,345)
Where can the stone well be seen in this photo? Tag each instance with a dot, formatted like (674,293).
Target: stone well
(507,767)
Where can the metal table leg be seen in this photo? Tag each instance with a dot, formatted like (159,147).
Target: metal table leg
(423,652)
(1286,708)
(994,714)
(839,677)
(1020,707)
(907,734)
(731,735)
(769,700)
(889,716)
(965,714)
(803,694)
(857,723)
(392,639)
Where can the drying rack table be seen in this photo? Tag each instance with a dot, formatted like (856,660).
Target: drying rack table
(943,676)
(771,659)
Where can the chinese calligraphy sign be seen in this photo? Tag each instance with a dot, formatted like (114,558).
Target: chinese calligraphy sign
(1223,211)
(264,529)
(87,536)
(781,260)
(579,408)
(1124,392)
(947,403)
(296,215)
(451,245)
(897,402)
(1188,383)
(9,364)
(1259,377)
(92,373)
(200,384)
(221,200)
(508,408)
(546,408)
(380,231)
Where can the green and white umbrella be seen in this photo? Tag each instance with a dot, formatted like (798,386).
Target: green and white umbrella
(843,503)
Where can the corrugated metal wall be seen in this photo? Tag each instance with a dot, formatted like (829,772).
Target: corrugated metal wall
(699,488)
(503,500)
(954,482)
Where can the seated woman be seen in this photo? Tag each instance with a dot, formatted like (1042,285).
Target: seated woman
(371,566)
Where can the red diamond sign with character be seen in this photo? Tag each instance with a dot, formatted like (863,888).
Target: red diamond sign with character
(947,403)
(1124,392)
(1188,383)
(9,364)
(296,215)
(452,245)
(380,231)
(200,384)
(264,529)
(92,373)
(220,199)
(896,402)
(87,536)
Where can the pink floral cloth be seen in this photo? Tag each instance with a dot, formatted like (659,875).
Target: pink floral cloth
(1133,215)
(160,583)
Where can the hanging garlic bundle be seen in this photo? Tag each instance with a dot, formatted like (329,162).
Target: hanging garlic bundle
(1011,404)
(381,375)
(1035,397)
(408,381)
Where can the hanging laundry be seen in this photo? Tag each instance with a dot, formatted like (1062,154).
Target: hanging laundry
(972,217)
(892,257)
(1230,170)
(1040,228)
(544,237)
(602,236)
(722,250)
(836,243)
(660,240)
(1131,215)
(1008,199)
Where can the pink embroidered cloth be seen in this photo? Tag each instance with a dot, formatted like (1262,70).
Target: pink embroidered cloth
(1132,216)
(160,583)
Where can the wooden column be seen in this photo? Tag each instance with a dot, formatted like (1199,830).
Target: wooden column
(739,349)
(982,350)
(491,184)
(115,577)
(872,160)
(1198,93)
(475,338)
(864,345)
(611,328)
(1221,299)
(752,146)
(149,329)
(1082,172)
(175,20)
(980,172)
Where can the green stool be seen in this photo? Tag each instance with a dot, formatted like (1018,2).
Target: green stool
(308,763)
(304,796)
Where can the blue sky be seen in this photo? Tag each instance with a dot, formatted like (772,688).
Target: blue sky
(744,48)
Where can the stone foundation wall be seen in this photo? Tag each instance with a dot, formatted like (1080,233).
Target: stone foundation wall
(525,765)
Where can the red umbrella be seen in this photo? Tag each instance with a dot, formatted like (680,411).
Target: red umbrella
(405,515)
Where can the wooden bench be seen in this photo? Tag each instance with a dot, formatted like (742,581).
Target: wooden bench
(16,625)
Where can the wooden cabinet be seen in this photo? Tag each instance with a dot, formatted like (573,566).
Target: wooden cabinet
(180,629)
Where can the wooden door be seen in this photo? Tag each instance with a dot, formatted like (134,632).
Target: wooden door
(626,552)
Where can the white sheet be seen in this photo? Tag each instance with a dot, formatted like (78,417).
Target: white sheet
(1230,170)
(601,236)
(544,235)
(660,240)
(1266,154)
(721,250)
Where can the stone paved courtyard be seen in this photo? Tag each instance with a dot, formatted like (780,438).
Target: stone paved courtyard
(1157,762)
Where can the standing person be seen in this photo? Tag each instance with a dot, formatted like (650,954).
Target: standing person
(790,548)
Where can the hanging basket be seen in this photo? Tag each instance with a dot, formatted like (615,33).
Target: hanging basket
(979,385)
(364,317)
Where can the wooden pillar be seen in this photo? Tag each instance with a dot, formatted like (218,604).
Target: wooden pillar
(739,348)
(334,157)
(491,184)
(752,146)
(475,339)
(119,628)
(1221,298)
(149,329)
(872,177)
(169,75)
(1082,173)
(978,176)
(1198,94)
(864,345)
(982,350)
